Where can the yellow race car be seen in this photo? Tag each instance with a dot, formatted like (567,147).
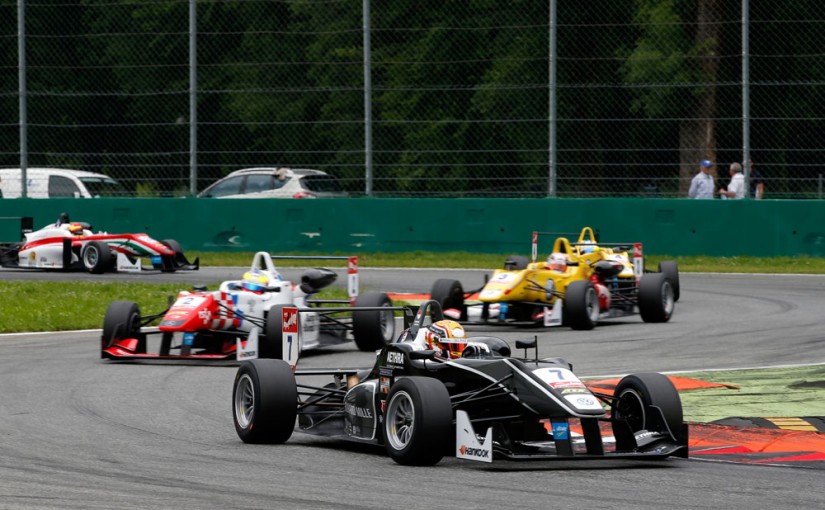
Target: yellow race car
(577,285)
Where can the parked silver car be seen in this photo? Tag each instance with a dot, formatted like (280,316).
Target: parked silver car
(274,182)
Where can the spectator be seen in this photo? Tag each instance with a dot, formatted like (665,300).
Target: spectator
(702,184)
(736,187)
(757,181)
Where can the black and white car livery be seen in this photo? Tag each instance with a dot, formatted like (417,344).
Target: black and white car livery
(484,405)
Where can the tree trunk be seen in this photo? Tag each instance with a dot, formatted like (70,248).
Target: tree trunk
(697,134)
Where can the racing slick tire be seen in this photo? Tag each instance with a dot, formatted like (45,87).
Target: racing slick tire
(656,301)
(671,270)
(271,344)
(516,263)
(121,321)
(97,257)
(648,401)
(449,294)
(581,305)
(417,428)
(373,329)
(264,401)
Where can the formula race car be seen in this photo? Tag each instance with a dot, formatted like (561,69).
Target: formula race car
(243,319)
(578,285)
(68,245)
(478,403)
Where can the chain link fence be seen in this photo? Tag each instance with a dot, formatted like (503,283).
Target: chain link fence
(476,98)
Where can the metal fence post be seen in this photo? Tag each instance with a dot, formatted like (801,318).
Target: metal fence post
(551,188)
(21,79)
(367,102)
(746,141)
(193,98)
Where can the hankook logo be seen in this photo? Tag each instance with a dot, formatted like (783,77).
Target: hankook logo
(474,452)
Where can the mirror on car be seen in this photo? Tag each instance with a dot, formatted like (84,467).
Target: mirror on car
(423,355)
(526,344)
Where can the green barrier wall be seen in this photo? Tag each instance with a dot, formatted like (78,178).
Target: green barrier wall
(665,226)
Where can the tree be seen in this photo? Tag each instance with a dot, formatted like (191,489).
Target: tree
(676,59)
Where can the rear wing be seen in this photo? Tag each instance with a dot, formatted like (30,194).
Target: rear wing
(588,237)
(352,268)
(13,229)
(290,329)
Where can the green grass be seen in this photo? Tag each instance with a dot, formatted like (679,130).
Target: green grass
(744,264)
(56,306)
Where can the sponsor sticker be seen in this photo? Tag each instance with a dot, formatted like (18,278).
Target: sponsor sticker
(469,446)
(395,358)
(561,430)
(584,402)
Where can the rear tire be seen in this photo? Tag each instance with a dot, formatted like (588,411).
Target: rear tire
(671,271)
(417,428)
(97,257)
(271,345)
(264,401)
(581,305)
(637,398)
(121,321)
(449,294)
(373,329)
(656,301)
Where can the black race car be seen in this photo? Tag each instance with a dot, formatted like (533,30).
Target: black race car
(422,407)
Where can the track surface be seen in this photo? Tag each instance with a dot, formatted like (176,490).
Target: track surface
(77,432)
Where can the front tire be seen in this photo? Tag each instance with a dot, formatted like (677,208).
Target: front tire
(656,301)
(581,305)
(373,329)
(264,401)
(121,321)
(648,401)
(97,257)
(417,427)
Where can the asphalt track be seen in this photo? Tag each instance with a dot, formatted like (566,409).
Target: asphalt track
(78,432)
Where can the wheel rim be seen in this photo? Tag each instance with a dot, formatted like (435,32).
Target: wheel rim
(631,408)
(90,256)
(591,304)
(400,419)
(244,401)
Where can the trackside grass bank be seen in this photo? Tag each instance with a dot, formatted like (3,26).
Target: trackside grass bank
(56,306)
(790,265)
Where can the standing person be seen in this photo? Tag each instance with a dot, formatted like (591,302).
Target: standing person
(757,181)
(736,187)
(702,184)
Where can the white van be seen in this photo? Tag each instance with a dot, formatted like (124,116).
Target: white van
(59,183)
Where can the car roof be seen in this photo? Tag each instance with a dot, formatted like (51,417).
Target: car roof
(57,171)
(273,169)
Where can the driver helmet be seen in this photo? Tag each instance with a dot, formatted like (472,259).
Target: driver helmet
(447,337)
(76,229)
(588,247)
(255,281)
(557,262)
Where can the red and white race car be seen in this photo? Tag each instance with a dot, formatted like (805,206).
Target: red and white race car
(68,245)
(244,319)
